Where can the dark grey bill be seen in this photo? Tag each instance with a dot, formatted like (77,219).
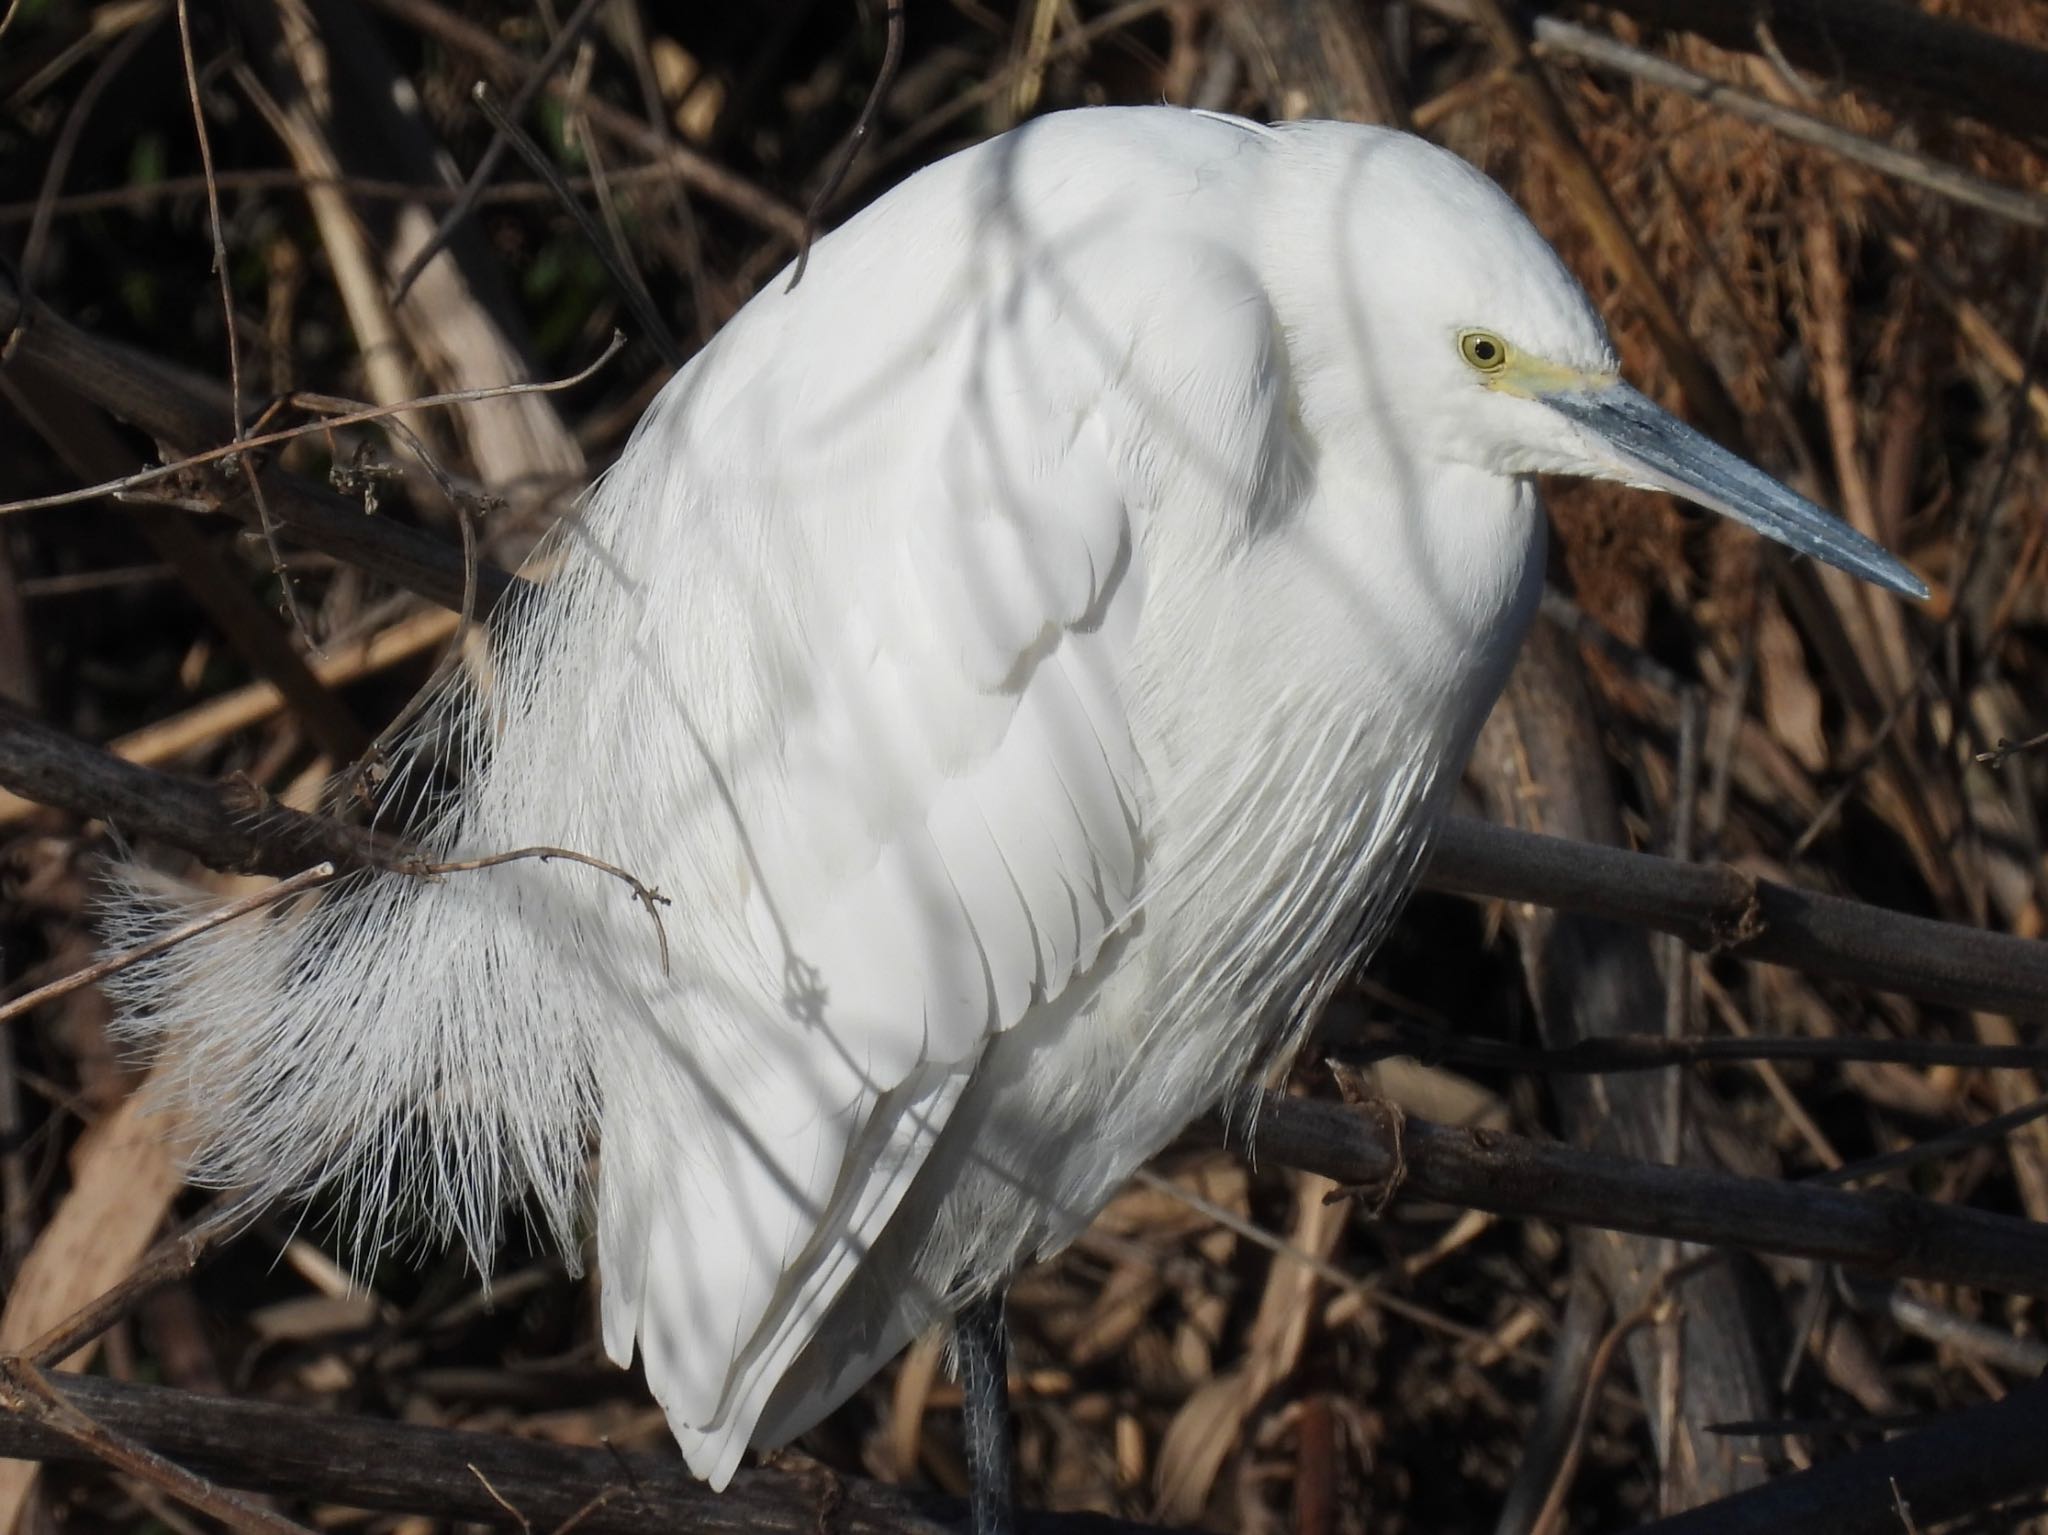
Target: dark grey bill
(1656,448)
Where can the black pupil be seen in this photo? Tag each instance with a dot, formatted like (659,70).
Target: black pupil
(1483,350)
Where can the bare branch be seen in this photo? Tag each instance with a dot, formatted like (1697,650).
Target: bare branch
(1711,907)
(453,1474)
(1608,1054)
(1716,909)
(1965,1462)
(1887,1232)
(228,450)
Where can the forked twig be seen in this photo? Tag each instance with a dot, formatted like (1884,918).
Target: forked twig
(1997,755)
(497,1497)
(647,895)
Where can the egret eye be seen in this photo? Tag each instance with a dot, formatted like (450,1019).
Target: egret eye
(1484,350)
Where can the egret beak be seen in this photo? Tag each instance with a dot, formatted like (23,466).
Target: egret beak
(1656,450)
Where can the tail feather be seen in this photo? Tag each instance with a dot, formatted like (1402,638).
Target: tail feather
(405,1043)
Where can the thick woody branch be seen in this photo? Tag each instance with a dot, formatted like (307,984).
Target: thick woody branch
(1882,1231)
(1970,1460)
(1716,909)
(228,827)
(455,1474)
(1963,1464)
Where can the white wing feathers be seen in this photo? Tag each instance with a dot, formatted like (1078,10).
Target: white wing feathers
(840,658)
(952,834)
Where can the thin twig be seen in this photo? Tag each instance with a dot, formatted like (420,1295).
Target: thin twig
(1934,1147)
(451,653)
(1654,1302)
(892,58)
(2026,1357)
(623,277)
(264,520)
(498,1498)
(177,1257)
(113,964)
(648,896)
(1997,755)
(466,200)
(179,466)
(607,204)
(598,1500)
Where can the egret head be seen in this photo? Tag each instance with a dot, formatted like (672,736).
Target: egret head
(1465,326)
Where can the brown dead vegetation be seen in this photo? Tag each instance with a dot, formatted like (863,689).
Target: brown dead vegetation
(1233,1345)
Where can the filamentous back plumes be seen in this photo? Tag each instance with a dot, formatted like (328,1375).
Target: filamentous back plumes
(1029,655)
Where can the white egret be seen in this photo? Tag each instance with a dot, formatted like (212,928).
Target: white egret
(1031,654)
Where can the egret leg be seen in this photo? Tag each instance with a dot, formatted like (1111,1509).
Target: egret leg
(982,1345)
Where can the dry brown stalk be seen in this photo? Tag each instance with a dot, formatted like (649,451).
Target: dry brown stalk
(1555,37)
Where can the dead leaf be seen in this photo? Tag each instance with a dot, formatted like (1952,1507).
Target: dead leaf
(1211,1421)
(122,1181)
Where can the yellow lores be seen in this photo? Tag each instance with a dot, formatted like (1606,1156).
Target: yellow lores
(1510,372)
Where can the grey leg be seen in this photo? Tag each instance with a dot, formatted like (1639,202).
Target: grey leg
(982,1344)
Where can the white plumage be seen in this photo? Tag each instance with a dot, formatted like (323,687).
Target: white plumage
(1030,655)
